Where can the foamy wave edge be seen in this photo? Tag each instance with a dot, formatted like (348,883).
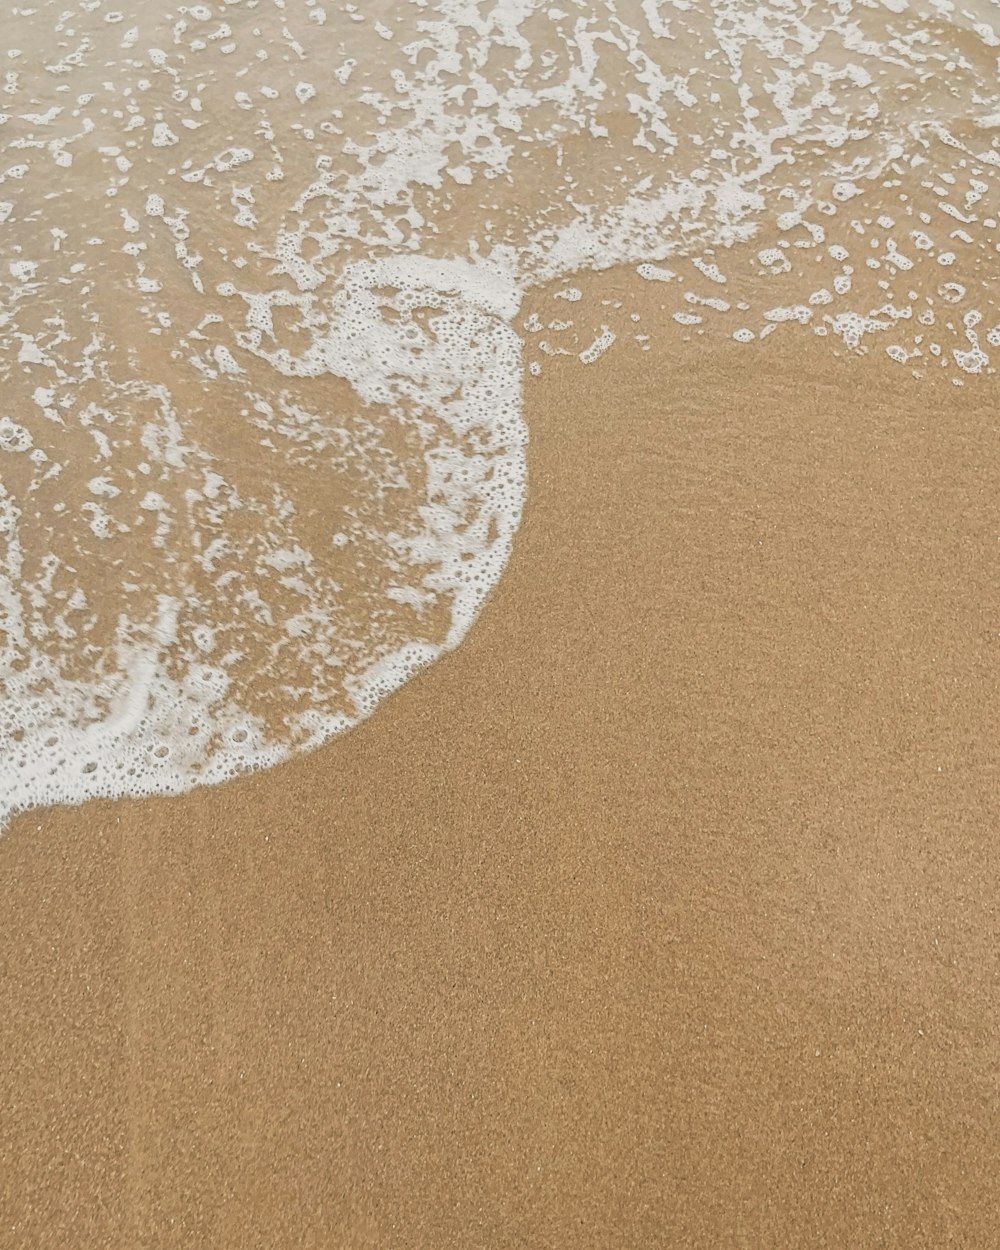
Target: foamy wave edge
(164,736)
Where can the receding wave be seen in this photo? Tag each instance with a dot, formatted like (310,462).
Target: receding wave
(262,449)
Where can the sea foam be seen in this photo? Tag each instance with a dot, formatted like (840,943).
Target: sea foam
(262,447)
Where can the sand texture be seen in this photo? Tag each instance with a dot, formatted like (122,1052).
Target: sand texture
(662,913)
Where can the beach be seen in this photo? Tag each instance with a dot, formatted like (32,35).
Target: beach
(499,625)
(662,912)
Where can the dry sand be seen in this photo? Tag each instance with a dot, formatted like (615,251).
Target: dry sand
(663,913)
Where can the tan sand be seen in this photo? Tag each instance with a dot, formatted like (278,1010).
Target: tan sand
(663,913)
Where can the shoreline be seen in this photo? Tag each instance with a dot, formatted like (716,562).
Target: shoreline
(660,912)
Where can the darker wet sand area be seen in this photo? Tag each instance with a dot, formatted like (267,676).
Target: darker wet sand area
(662,913)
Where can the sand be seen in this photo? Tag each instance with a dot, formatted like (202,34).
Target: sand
(662,913)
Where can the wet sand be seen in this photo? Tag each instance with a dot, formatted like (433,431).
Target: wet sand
(663,912)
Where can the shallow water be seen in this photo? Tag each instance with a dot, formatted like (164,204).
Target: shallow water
(262,453)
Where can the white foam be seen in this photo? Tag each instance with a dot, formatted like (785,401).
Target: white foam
(356,256)
(599,346)
(655,273)
(467,374)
